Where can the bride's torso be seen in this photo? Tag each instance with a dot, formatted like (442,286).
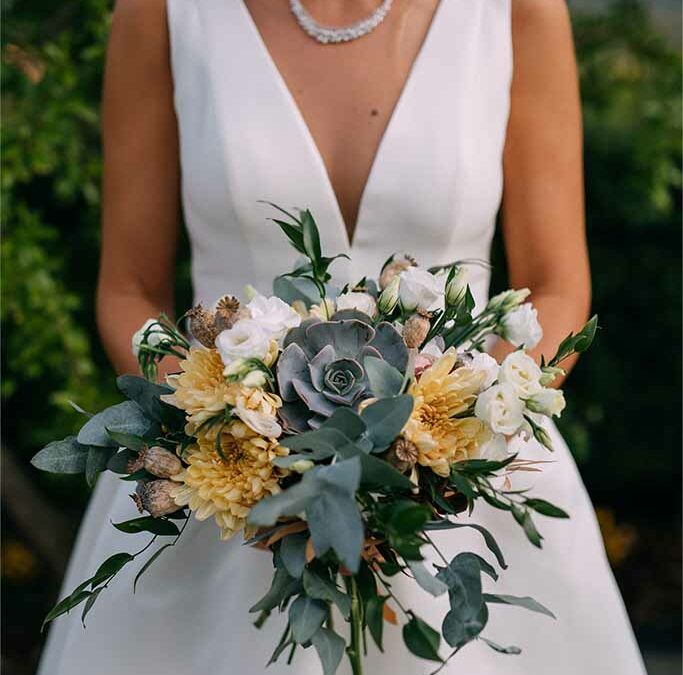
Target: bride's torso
(394,141)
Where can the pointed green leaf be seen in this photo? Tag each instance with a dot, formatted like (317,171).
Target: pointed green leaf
(518,601)
(65,456)
(330,648)
(421,639)
(306,616)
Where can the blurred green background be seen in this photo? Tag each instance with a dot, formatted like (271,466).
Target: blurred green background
(623,423)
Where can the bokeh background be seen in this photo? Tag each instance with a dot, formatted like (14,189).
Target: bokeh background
(624,422)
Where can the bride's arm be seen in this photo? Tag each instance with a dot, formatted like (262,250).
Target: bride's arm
(543,203)
(141,177)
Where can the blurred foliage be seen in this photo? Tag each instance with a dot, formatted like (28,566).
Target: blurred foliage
(624,420)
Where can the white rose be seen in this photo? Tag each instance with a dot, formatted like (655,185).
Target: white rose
(419,289)
(484,363)
(500,408)
(260,422)
(155,337)
(548,402)
(363,302)
(247,339)
(521,327)
(495,449)
(273,314)
(522,373)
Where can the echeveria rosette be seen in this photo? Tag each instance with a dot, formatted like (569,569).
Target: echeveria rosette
(322,366)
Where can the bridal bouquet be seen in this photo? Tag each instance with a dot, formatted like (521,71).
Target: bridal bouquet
(336,429)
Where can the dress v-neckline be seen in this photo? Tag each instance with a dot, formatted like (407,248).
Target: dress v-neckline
(408,83)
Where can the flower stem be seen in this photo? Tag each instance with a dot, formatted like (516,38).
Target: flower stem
(354,649)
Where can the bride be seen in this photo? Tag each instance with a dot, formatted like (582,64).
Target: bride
(404,136)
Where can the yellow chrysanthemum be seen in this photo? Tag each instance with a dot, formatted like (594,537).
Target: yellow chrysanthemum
(439,395)
(227,487)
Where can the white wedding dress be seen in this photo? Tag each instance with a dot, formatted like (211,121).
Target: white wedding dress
(433,191)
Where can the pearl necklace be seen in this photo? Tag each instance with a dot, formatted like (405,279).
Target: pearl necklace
(329,35)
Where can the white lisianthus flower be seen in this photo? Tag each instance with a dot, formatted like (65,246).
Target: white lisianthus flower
(273,314)
(481,362)
(495,449)
(420,290)
(500,408)
(255,379)
(260,422)
(247,339)
(155,337)
(522,373)
(548,402)
(519,443)
(508,300)
(361,301)
(521,327)
(433,349)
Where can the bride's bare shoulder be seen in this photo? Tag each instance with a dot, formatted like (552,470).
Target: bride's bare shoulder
(141,24)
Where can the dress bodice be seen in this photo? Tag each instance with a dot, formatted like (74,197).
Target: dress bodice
(436,181)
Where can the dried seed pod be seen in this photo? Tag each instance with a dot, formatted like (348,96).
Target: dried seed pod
(415,330)
(402,454)
(202,326)
(154,496)
(161,462)
(393,269)
(134,465)
(227,313)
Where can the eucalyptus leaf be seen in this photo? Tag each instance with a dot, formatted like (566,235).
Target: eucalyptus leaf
(459,628)
(374,618)
(289,502)
(430,583)
(518,601)
(321,588)
(293,554)
(65,456)
(291,289)
(118,463)
(306,616)
(385,380)
(330,648)
(130,441)
(126,417)
(97,462)
(147,395)
(499,648)
(386,418)
(489,540)
(282,587)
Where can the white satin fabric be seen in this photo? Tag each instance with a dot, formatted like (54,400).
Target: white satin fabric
(433,191)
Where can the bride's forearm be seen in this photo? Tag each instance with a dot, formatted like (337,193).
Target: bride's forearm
(119,315)
(559,314)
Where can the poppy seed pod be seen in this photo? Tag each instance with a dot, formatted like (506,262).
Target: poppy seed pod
(161,462)
(415,330)
(155,497)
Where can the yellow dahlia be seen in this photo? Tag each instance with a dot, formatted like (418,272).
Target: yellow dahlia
(202,391)
(439,395)
(227,487)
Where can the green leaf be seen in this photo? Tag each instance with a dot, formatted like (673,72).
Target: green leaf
(282,587)
(119,462)
(347,421)
(386,418)
(586,335)
(306,616)
(130,441)
(110,567)
(293,554)
(335,523)
(376,472)
(147,395)
(384,379)
(322,443)
(374,618)
(157,526)
(489,540)
(97,462)
(289,502)
(499,648)
(66,605)
(89,603)
(299,288)
(404,516)
(149,563)
(65,456)
(311,236)
(330,648)
(546,508)
(430,583)
(518,601)
(321,588)
(459,628)
(421,639)
(126,417)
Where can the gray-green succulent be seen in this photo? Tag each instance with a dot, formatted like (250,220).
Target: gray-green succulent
(322,366)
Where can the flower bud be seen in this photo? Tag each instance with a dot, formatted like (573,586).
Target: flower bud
(550,373)
(236,369)
(456,287)
(155,497)
(256,379)
(160,462)
(302,465)
(388,299)
(548,402)
(415,330)
(508,300)
(393,269)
